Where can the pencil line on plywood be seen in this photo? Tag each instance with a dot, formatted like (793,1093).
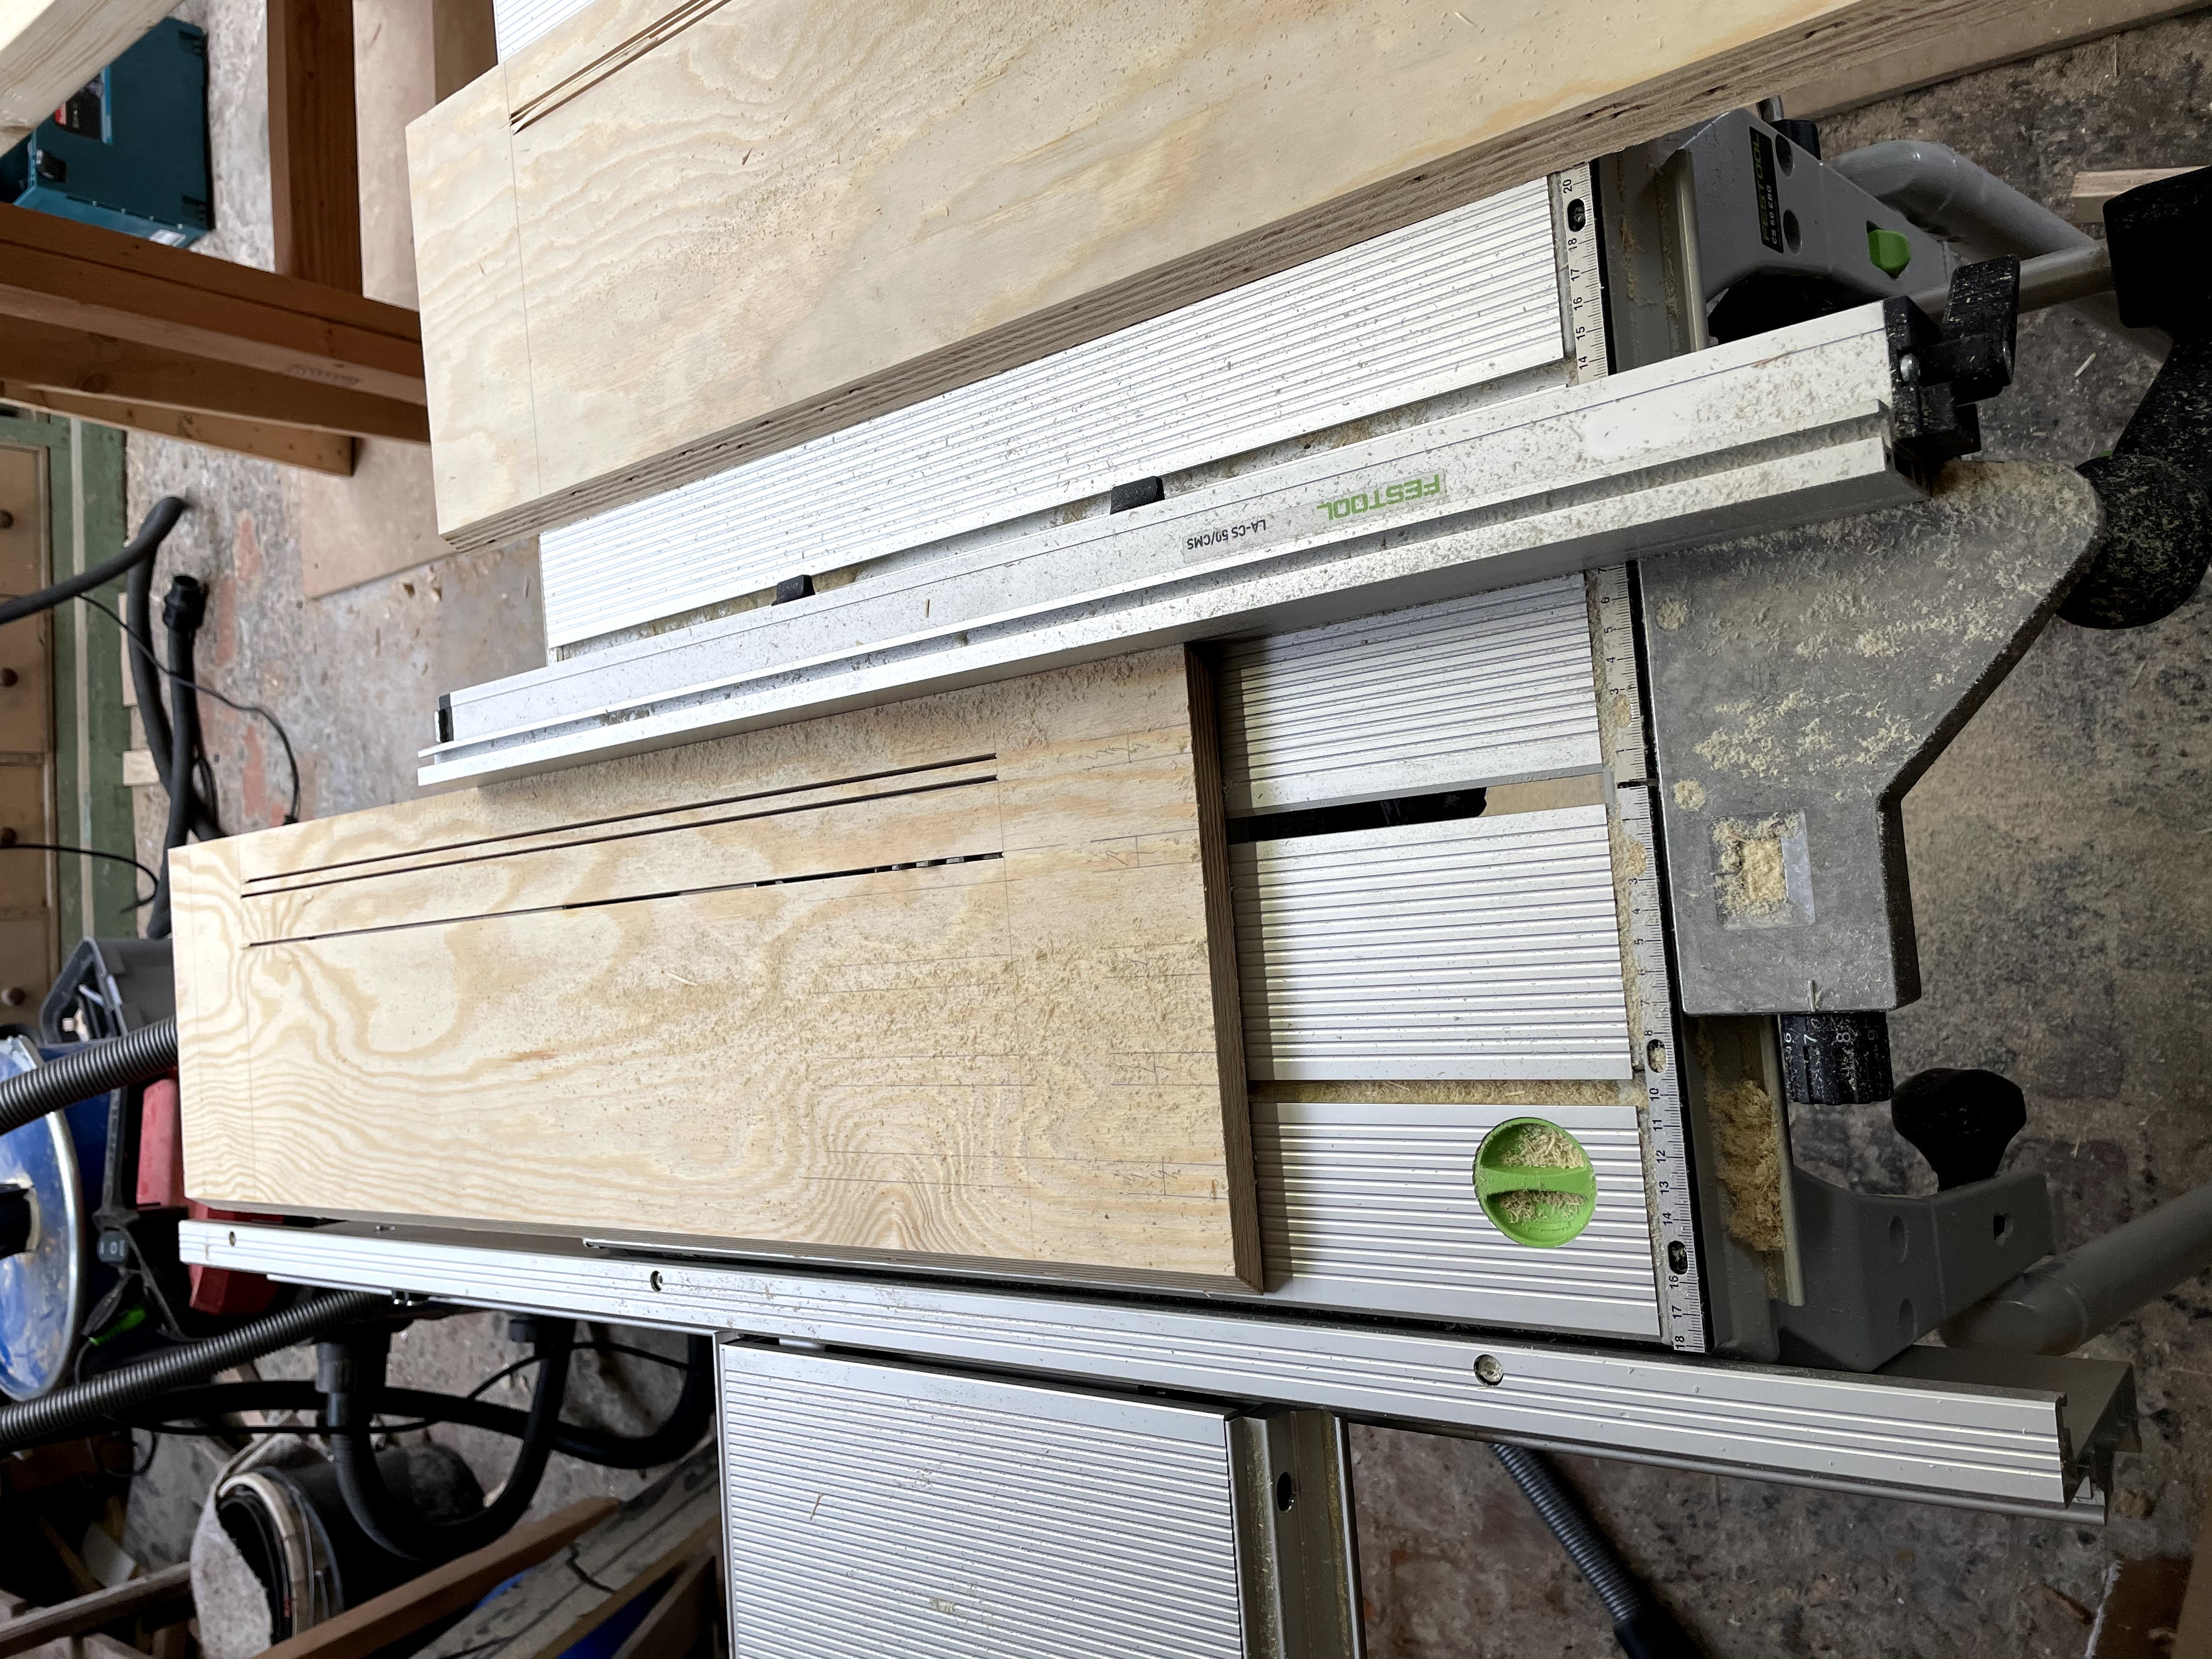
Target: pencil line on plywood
(627,898)
(622,818)
(632,835)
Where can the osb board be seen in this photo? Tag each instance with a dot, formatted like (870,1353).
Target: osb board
(946,979)
(669,237)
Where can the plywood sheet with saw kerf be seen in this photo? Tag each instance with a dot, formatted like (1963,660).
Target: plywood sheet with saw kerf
(947,978)
(669,236)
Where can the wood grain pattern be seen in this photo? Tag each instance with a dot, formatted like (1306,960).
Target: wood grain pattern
(315,157)
(944,979)
(452,1587)
(80,276)
(2085,202)
(69,360)
(49,48)
(706,232)
(292,446)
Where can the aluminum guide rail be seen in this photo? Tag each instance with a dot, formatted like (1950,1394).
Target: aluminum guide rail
(1784,428)
(1466,297)
(1949,1443)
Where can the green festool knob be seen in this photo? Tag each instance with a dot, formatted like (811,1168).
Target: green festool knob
(1888,249)
(1535,1182)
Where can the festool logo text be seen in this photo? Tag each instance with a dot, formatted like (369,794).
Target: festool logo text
(1367,501)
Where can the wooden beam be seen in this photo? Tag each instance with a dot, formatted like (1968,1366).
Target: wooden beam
(80,276)
(453,1588)
(464,44)
(65,360)
(166,1591)
(289,446)
(684,1612)
(314,158)
(2085,206)
(2017,32)
(953,967)
(677,1517)
(729,227)
(50,48)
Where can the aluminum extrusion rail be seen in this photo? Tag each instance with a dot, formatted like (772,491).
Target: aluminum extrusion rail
(1781,430)
(2019,1450)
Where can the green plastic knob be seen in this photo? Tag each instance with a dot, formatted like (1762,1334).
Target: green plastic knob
(1535,1182)
(1888,249)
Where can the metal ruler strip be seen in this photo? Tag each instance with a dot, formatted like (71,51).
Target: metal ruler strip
(1582,272)
(1667,1147)
(1672,1205)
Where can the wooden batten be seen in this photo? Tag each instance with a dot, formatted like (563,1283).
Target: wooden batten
(946,980)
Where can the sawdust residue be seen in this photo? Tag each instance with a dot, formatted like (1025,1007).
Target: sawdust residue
(1540,1147)
(1690,795)
(1522,1207)
(1670,614)
(1751,1168)
(1751,877)
(1741,1117)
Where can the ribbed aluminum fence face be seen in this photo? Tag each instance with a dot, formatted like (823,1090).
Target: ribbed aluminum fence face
(1443,697)
(875,1511)
(1483,948)
(1456,300)
(518,22)
(1373,1206)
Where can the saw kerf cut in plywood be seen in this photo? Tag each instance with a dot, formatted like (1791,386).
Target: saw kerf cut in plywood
(945,979)
(672,235)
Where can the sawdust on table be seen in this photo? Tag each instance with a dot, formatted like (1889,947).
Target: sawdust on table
(1752,881)
(1742,1117)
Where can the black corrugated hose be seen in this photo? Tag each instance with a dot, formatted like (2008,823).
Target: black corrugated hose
(86,1407)
(351,1375)
(1644,1629)
(91,1068)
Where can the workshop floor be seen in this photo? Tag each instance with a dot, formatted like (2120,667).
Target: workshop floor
(2057,858)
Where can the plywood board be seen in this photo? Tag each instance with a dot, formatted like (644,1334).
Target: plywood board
(49,48)
(946,979)
(666,238)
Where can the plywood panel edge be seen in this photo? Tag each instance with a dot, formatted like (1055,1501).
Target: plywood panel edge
(1221,959)
(468,253)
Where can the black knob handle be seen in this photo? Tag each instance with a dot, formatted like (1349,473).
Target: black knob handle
(1961,1122)
(17,1216)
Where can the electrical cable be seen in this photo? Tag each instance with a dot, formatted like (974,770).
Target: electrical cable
(143,661)
(160,521)
(8,844)
(686,1421)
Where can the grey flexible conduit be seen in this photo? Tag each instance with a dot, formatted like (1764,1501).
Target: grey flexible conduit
(1644,1629)
(91,1069)
(86,1406)
(1942,192)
